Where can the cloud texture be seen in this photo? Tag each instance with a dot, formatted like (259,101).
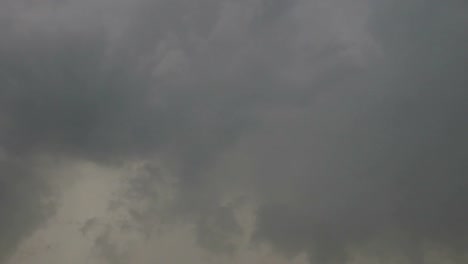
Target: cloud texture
(343,124)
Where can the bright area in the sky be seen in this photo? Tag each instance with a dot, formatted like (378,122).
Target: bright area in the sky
(92,226)
(86,229)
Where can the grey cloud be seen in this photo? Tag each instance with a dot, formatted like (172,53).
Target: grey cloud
(108,250)
(355,124)
(370,166)
(72,92)
(20,202)
(218,230)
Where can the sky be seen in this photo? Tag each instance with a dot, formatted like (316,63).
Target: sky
(233,131)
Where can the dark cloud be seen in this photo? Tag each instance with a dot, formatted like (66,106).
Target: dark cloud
(107,249)
(395,163)
(354,123)
(218,230)
(20,202)
(58,95)
(73,93)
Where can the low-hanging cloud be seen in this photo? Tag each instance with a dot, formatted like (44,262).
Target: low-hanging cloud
(344,124)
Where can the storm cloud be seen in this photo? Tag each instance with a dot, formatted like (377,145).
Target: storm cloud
(343,124)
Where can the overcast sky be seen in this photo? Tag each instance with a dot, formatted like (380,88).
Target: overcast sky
(233,131)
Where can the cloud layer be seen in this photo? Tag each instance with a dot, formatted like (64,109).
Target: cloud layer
(343,124)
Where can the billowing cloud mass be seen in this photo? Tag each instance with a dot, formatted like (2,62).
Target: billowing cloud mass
(326,129)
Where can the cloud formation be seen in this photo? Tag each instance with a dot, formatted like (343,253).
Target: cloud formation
(344,124)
